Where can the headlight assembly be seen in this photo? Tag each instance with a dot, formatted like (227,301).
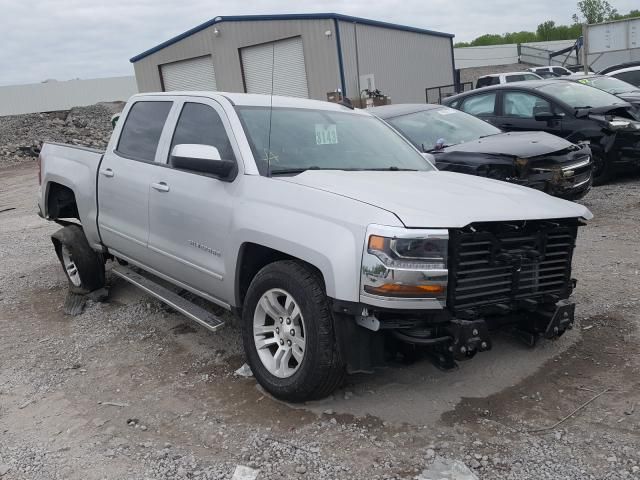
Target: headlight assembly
(403,263)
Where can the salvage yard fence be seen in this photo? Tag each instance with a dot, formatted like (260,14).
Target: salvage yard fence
(437,94)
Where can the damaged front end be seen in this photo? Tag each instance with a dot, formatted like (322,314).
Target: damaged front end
(501,275)
(565,173)
(620,140)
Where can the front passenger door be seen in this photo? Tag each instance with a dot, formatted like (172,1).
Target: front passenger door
(519,110)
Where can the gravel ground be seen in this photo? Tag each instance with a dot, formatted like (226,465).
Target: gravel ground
(132,390)
(21,136)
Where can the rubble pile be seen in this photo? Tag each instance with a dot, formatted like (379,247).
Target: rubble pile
(21,136)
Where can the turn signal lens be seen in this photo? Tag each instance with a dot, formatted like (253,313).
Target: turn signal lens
(399,290)
(376,242)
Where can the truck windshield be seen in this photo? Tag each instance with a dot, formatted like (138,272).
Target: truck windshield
(431,130)
(306,139)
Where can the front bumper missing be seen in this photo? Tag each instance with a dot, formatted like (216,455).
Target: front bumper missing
(462,339)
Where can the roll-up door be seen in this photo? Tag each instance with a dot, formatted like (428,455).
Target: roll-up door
(192,74)
(284,59)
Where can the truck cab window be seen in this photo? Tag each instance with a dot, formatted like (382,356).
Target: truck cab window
(201,124)
(142,129)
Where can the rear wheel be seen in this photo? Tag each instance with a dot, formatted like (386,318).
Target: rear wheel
(82,266)
(288,333)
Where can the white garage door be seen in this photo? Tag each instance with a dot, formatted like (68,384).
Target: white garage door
(284,59)
(191,74)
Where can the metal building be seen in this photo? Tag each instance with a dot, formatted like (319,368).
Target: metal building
(304,55)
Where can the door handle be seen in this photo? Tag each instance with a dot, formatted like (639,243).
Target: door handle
(160,186)
(107,172)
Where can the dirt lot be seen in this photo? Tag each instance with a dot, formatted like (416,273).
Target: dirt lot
(129,389)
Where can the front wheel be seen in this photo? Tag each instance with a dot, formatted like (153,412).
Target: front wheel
(288,333)
(603,170)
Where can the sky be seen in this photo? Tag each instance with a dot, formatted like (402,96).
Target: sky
(66,39)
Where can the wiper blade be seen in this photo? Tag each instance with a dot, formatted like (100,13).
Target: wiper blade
(388,169)
(284,171)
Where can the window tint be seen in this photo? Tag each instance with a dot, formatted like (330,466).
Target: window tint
(141,132)
(632,77)
(480,104)
(486,81)
(201,124)
(560,71)
(514,78)
(523,105)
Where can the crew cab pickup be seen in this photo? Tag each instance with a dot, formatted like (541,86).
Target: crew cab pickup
(331,236)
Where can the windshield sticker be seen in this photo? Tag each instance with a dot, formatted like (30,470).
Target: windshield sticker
(326,134)
(446,111)
(584,80)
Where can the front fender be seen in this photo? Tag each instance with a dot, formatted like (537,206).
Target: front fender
(320,228)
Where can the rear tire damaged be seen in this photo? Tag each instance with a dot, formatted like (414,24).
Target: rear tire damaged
(83,267)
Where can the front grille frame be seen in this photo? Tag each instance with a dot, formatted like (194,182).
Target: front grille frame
(502,267)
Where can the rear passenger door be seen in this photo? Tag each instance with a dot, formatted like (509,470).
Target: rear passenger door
(190,213)
(481,105)
(518,112)
(123,179)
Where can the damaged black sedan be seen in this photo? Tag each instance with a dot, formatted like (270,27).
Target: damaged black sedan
(576,112)
(462,143)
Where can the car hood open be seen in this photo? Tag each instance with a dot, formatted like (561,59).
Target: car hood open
(518,144)
(437,199)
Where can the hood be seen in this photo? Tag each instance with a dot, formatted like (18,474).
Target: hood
(437,199)
(518,144)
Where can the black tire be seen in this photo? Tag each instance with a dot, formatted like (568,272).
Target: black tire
(603,170)
(321,370)
(88,263)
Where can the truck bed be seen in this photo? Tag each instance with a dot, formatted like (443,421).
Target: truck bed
(74,167)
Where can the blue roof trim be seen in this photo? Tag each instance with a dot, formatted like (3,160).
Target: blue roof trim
(288,16)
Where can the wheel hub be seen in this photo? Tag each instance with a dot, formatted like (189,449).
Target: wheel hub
(279,333)
(70,267)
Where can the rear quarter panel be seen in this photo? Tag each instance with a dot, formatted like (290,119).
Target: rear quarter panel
(75,168)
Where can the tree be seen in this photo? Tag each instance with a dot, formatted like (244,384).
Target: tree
(545,30)
(595,11)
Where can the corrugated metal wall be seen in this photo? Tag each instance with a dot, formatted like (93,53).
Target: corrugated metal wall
(53,96)
(321,58)
(403,63)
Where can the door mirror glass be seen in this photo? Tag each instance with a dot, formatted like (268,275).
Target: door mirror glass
(200,158)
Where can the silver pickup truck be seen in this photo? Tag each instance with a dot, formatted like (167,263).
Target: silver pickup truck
(328,234)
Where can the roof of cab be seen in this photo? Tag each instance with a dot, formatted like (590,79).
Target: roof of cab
(256,100)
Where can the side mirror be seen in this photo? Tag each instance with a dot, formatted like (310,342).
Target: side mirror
(200,158)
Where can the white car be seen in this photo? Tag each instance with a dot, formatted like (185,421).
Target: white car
(554,69)
(627,72)
(498,78)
